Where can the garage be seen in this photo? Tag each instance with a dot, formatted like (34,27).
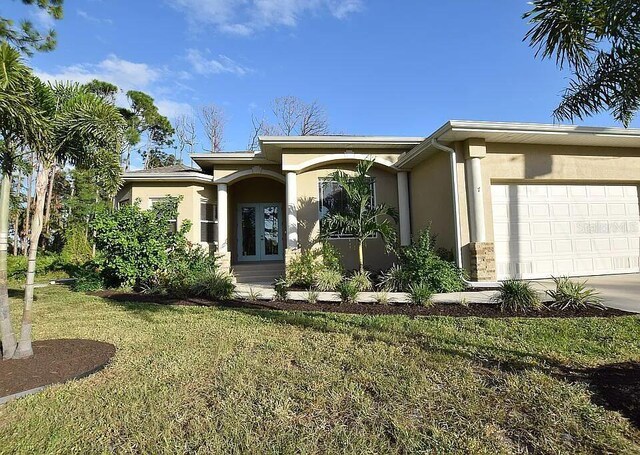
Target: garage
(543,230)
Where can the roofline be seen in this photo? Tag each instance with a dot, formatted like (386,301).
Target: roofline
(516,128)
(338,140)
(536,128)
(167,177)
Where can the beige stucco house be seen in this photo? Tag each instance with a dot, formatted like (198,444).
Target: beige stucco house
(508,199)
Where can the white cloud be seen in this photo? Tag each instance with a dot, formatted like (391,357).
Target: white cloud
(243,17)
(173,109)
(42,18)
(222,64)
(89,18)
(127,76)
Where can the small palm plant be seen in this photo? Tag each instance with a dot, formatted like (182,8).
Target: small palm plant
(573,295)
(359,217)
(517,296)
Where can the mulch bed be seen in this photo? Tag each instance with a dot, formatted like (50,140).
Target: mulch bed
(439,309)
(53,361)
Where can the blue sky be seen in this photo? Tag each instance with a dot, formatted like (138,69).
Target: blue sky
(378,67)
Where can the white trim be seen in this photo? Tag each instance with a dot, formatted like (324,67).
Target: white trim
(223,212)
(292,210)
(255,171)
(291,141)
(324,159)
(167,177)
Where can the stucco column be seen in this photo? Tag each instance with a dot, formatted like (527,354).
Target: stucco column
(403,209)
(292,210)
(475,196)
(223,227)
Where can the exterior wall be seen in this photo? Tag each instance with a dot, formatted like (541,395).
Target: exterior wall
(189,207)
(386,190)
(255,189)
(432,200)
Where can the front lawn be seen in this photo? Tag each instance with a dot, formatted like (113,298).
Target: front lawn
(193,379)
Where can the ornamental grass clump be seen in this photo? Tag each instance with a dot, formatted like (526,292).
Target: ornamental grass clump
(421,294)
(327,280)
(348,292)
(361,280)
(573,295)
(517,296)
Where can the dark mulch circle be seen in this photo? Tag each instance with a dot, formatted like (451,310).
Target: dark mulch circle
(439,309)
(53,361)
(617,386)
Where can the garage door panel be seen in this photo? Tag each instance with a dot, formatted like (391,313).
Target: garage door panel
(545,230)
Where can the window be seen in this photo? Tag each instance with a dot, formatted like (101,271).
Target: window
(333,198)
(208,222)
(173,224)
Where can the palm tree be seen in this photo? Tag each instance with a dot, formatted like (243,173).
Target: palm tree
(360,218)
(20,125)
(85,131)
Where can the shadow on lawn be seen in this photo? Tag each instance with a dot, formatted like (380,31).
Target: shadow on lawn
(614,386)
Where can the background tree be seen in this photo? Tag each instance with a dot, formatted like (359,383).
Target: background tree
(291,116)
(186,135)
(599,42)
(27,38)
(149,122)
(359,217)
(84,130)
(213,122)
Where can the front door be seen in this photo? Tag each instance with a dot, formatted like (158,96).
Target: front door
(259,232)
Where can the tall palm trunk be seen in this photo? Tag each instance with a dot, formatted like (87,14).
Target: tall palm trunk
(361,254)
(27,215)
(24,344)
(16,235)
(47,214)
(8,337)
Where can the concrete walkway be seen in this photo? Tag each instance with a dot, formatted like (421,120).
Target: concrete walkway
(619,291)
(262,292)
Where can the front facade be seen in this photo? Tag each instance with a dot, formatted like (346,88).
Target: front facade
(509,200)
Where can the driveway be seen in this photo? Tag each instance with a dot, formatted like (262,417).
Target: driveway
(618,291)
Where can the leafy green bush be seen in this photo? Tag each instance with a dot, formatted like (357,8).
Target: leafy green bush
(327,279)
(302,268)
(281,287)
(421,263)
(220,286)
(573,295)
(420,294)
(87,279)
(138,243)
(348,291)
(331,257)
(517,296)
(361,280)
(48,265)
(77,249)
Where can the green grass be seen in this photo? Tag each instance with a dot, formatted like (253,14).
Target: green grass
(202,380)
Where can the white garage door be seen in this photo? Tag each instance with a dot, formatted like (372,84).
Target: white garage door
(555,230)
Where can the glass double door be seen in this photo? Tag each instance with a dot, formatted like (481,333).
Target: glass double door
(259,232)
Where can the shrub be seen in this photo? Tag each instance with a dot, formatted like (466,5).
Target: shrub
(573,295)
(420,262)
(395,279)
(220,286)
(137,243)
(281,286)
(88,279)
(327,279)
(517,296)
(47,264)
(77,249)
(302,268)
(312,296)
(348,291)
(382,298)
(361,280)
(331,257)
(420,294)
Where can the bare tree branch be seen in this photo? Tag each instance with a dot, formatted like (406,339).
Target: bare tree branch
(185,126)
(213,120)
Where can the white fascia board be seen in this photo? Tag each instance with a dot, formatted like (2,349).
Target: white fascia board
(330,141)
(168,177)
(540,128)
